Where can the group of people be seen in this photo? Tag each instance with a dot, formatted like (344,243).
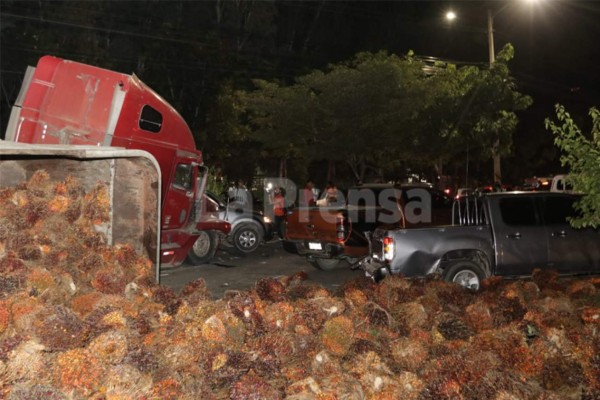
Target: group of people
(240,195)
(309,197)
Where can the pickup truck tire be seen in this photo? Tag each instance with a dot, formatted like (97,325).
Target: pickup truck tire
(326,264)
(204,248)
(247,238)
(465,273)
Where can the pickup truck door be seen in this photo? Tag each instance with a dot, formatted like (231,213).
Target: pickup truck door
(520,238)
(569,250)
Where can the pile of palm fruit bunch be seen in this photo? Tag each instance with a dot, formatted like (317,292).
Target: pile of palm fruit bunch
(83,320)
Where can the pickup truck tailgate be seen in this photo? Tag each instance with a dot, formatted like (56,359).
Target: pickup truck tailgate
(313,223)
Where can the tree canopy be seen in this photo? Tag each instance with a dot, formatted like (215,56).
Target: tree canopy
(581,153)
(378,109)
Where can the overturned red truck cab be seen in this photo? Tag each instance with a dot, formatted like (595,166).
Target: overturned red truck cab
(69,103)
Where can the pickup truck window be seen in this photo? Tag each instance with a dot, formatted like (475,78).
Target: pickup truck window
(518,211)
(557,210)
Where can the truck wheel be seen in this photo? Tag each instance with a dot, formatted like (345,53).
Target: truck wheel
(204,248)
(465,273)
(246,238)
(326,264)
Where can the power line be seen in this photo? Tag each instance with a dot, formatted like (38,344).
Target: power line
(98,29)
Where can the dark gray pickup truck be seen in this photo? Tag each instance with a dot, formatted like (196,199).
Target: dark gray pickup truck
(498,234)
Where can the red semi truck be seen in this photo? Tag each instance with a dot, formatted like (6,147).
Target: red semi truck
(62,102)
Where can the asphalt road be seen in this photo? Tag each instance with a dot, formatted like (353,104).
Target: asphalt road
(231,270)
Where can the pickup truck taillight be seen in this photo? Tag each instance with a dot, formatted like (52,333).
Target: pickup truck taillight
(388,248)
(340,229)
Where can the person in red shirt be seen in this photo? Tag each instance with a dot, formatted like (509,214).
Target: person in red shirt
(278,211)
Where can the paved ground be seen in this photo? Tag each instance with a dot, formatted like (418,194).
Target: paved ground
(232,271)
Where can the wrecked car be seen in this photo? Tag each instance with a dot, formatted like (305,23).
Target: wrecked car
(506,234)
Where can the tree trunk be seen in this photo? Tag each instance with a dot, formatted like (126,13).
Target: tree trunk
(219,11)
(497,163)
(244,15)
(362,169)
(282,168)
(353,168)
(331,171)
(438,166)
(312,26)
(141,65)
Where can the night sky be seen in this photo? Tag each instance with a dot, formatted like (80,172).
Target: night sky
(556,52)
(556,59)
(555,41)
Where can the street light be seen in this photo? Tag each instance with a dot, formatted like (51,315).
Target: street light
(451,15)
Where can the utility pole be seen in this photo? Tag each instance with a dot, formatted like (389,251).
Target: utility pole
(496,148)
(490,32)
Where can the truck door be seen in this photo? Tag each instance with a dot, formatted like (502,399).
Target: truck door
(521,242)
(180,196)
(570,250)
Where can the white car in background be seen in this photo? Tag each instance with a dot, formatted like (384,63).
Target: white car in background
(560,184)
(462,192)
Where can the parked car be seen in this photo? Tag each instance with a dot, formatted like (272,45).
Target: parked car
(560,184)
(249,226)
(462,192)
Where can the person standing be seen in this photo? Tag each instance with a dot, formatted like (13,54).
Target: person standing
(278,211)
(331,193)
(308,195)
(240,194)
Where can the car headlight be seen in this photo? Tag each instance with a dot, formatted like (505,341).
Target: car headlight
(266,219)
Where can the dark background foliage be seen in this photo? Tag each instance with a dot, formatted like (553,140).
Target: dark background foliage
(195,52)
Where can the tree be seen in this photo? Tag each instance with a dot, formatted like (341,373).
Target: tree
(468,108)
(226,137)
(353,112)
(377,109)
(443,127)
(498,120)
(582,156)
(280,118)
(364,108)
(473,107)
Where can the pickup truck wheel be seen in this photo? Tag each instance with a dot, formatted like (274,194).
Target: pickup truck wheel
(326,264)
(246,238)
(465,273)
(203,249)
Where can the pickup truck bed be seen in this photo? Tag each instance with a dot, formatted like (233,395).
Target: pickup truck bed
(328,234)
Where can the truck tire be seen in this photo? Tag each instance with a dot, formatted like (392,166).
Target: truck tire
(204,248)
(466,273)
(247,238)
(326,264)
